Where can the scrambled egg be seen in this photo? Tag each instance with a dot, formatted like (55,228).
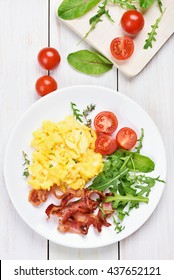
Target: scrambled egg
(64,155)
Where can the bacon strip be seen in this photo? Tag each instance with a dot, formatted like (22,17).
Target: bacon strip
(77,216)
(36,197)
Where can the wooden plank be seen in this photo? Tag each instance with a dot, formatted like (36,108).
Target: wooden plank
(153,90)
(65,41)
(23,29)
(106,31)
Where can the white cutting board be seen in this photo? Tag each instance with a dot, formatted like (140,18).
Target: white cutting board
(105,31)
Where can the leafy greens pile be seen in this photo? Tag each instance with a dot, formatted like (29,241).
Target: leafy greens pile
(125,181)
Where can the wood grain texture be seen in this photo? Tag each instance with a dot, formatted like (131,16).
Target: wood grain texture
(153,90)
(23,33)
(106,31)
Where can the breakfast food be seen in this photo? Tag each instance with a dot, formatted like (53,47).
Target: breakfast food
(93,174)
(63,155)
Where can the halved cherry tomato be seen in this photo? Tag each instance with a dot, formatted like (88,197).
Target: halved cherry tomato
(45,85)
(132,22)
(105,122)
(105,144)
(122,48)
(49,58)
(126,138)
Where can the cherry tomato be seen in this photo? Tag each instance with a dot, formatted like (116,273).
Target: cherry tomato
(122,47)
(126,138)
(132,22)
(105,122)
(49,58)
(45,85)
(105,144)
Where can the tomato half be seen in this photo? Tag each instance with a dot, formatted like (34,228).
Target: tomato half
(132,22)
(45,85)
(122,48)
(105,144)
(49,58)
(105,122)
(126,138)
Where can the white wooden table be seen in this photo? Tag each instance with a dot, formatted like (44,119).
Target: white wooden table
(25,28)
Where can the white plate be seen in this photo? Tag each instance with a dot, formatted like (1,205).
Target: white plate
(55,107)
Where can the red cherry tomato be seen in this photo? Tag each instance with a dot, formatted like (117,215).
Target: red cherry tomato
(105,122)
(126,138)
(49,58)
(45,85)
(105,144)
(132,22)
(122,48)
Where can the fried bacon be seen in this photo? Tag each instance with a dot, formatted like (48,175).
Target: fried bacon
(76,208)
(78,215)
(36,197)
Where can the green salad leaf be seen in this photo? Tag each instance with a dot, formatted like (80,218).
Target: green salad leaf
(26,164)
(125,4)
(140,163)
(76,112)
(117,198)
(89,62)
(125,181)
(146,4)
(152,34)
(71,9)
(97,17)
(160,5)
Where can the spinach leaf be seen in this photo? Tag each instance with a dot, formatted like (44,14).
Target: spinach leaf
(141,163)
(70,9)
(89,62)
(136,161)
(146,4)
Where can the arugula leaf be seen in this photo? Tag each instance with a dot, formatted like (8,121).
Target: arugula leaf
(160,5)
(118,226)
(107,182)
(148,183)
(146,4)
(125,4)
(121,213)
(76,112)
(126,187)
(117,198)
(89,62)
(123,178)
(140,142)
(71,9)
(97,18)
(153,33)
